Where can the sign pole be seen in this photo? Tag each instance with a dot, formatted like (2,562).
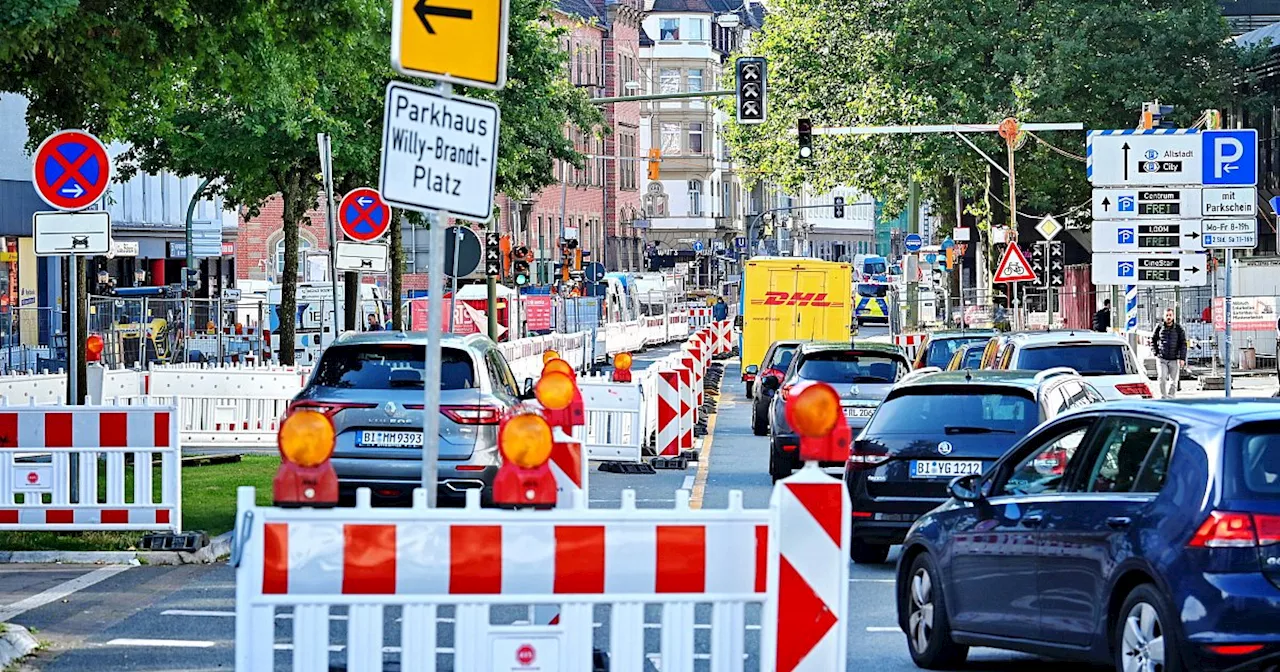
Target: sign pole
(326,167)
(73,338)
(1226,321)
(453,279)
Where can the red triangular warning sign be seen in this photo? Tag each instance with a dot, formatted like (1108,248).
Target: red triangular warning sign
(1013,266)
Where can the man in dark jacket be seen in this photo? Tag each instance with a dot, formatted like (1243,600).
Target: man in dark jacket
(1169,342)
(1102,318)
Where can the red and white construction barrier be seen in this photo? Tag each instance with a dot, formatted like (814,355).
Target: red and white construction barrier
(37,448)
(910,343)
(670,413)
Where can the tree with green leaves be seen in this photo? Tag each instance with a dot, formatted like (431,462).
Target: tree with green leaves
(870,63)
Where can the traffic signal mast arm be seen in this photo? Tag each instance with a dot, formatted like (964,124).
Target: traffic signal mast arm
(662,96)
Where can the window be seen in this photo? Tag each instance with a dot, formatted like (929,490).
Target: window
(695,30)
(1133,455)
(668,29)
(375,368)
(695,80)
(1101,359)
(695,137)
(1253,462)
(670,138)
(669,80)
(501,373)
(1005,415)
(542,238)
(695,198)
(941,350)
(1042,472)
(1006,357)
(842,367)
(303,244)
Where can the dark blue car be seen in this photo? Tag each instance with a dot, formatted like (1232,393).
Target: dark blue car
(1156,548)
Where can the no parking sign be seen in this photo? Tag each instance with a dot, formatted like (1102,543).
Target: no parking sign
(71,170)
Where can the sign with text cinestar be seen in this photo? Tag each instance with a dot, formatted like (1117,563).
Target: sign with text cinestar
(1186,269)
(439,153)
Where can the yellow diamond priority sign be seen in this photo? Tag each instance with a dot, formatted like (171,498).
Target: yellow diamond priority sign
(458,41)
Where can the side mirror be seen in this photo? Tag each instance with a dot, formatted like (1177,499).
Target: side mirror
(965,488)
(753,370)
(772,383)
(528,390)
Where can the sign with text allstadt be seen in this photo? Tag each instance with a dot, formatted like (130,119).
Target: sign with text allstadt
(458,41)
(439,153)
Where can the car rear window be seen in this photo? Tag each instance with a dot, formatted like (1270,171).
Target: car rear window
(941,350)
(876,291)
(1089,359)
(972,358)
(850,366)
(371,367)
(1253,453)
(945,409)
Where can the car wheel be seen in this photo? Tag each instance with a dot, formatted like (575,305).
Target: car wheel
(758,426)
(750,391)
(1144,637)
(928,629)
(776,471)
(868,554)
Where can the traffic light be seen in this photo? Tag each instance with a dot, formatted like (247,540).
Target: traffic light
(654,156)
(751,89)
(805,129)
(839,207)
(520,272)
(191,279)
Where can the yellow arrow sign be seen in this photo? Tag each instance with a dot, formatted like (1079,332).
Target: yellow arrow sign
(458,41)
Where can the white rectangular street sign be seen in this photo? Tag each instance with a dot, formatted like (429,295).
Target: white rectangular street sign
(439,153)
(362,257)
(79,234)
(1163,157)
(231,295)
(1230,202)
(1230,233)
(1186,269)
(1166,235)
(1146,203)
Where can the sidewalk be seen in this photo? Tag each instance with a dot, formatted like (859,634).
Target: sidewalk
(1241,387)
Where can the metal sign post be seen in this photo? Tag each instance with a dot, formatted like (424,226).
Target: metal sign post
(326,168)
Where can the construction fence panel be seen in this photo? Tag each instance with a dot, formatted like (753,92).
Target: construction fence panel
(614,429)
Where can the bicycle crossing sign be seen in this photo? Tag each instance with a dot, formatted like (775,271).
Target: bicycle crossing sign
(1014,267)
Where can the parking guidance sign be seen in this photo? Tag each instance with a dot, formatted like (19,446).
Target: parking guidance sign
(439,153)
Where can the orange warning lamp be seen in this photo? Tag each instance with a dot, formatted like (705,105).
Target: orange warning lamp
(305,476)
(550,355)
(558,365)
(93,348)
(525,478)
(814,411)
(561,399)
(622,367)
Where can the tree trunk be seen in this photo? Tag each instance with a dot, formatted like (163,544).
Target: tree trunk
(294,208)
(397,272)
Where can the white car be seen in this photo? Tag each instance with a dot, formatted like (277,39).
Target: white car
(1105,359)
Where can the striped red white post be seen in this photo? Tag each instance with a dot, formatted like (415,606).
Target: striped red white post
(669,415)
(690,360)
(698,350)
(686,405)
(570,468)
(806,614)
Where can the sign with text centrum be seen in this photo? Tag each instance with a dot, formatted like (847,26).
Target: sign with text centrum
(439,153)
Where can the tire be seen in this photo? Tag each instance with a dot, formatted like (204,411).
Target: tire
(776,471)
(749,390)
(928,630)
(758,425)
(1146,608)
(868,554)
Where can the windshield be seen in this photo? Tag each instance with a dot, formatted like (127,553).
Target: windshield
(941,351)
(875,267)
(1107,359)
(848,367)
(945,409)
(371,367)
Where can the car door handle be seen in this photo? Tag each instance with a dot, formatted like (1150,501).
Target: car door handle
(1033,520)
(1119,522)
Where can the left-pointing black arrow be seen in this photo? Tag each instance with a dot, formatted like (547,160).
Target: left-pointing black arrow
(423,11)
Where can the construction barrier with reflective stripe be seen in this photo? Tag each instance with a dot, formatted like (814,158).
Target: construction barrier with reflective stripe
(109,447)
(222,421)
(391,570)
(614,431)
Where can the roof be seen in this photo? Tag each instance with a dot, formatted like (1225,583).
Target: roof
(645,40)
(962,333)
(583,9)
(1257,37)
(1025,380)
(693,6)
(1060,335)
(867,346)
(405,337)
(1215,412)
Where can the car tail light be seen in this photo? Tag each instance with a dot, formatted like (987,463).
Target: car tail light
(472,415)
(470,467)
(328,408)
(785,389)
(861,459)
(1229,529)
(1140,389)
(1233,649)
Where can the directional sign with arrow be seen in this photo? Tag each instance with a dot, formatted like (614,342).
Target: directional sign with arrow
(458,41)
(1164,235)
(1186,269)
(1144,157)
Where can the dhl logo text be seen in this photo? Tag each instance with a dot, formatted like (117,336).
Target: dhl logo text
(796,299)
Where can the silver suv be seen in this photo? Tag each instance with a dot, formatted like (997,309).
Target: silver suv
(370,385)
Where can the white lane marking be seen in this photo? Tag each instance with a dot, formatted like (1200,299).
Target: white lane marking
(884,628)
(873,580)
(171,643)
(688,483)
(59,591)
(197,612)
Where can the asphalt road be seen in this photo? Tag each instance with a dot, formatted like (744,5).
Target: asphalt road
(182,618)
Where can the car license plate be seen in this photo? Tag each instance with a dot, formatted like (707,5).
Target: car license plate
(859,411)
(944,468)
(374,439)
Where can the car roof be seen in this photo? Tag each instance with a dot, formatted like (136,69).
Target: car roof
(410,338)
(962,333)
(1025,380)
(1216,413)
(867,346)
(791,343)
(1059,336)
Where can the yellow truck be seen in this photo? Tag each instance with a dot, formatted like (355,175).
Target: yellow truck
(792,298)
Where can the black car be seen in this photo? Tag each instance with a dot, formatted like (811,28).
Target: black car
(1155,548)
(935,427)
(861,372)
(940,346)
(775,363)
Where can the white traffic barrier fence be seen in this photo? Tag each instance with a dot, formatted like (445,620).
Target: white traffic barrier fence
(108,447)
(524,356)
(219,421)
(623,337)
(388,572)
(677,325)
(229,380)
(699,316)
(614,429)
(41,388)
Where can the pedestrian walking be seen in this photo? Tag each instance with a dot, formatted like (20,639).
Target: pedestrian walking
(1169,341)
(720,310)
(373,324)
(1102,318)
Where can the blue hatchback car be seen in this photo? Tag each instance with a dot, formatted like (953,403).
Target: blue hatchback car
(1157,548)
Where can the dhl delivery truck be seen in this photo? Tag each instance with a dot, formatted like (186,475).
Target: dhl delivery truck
(792,298)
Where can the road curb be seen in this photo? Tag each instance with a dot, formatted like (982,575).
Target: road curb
(219,547)
(16,643)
